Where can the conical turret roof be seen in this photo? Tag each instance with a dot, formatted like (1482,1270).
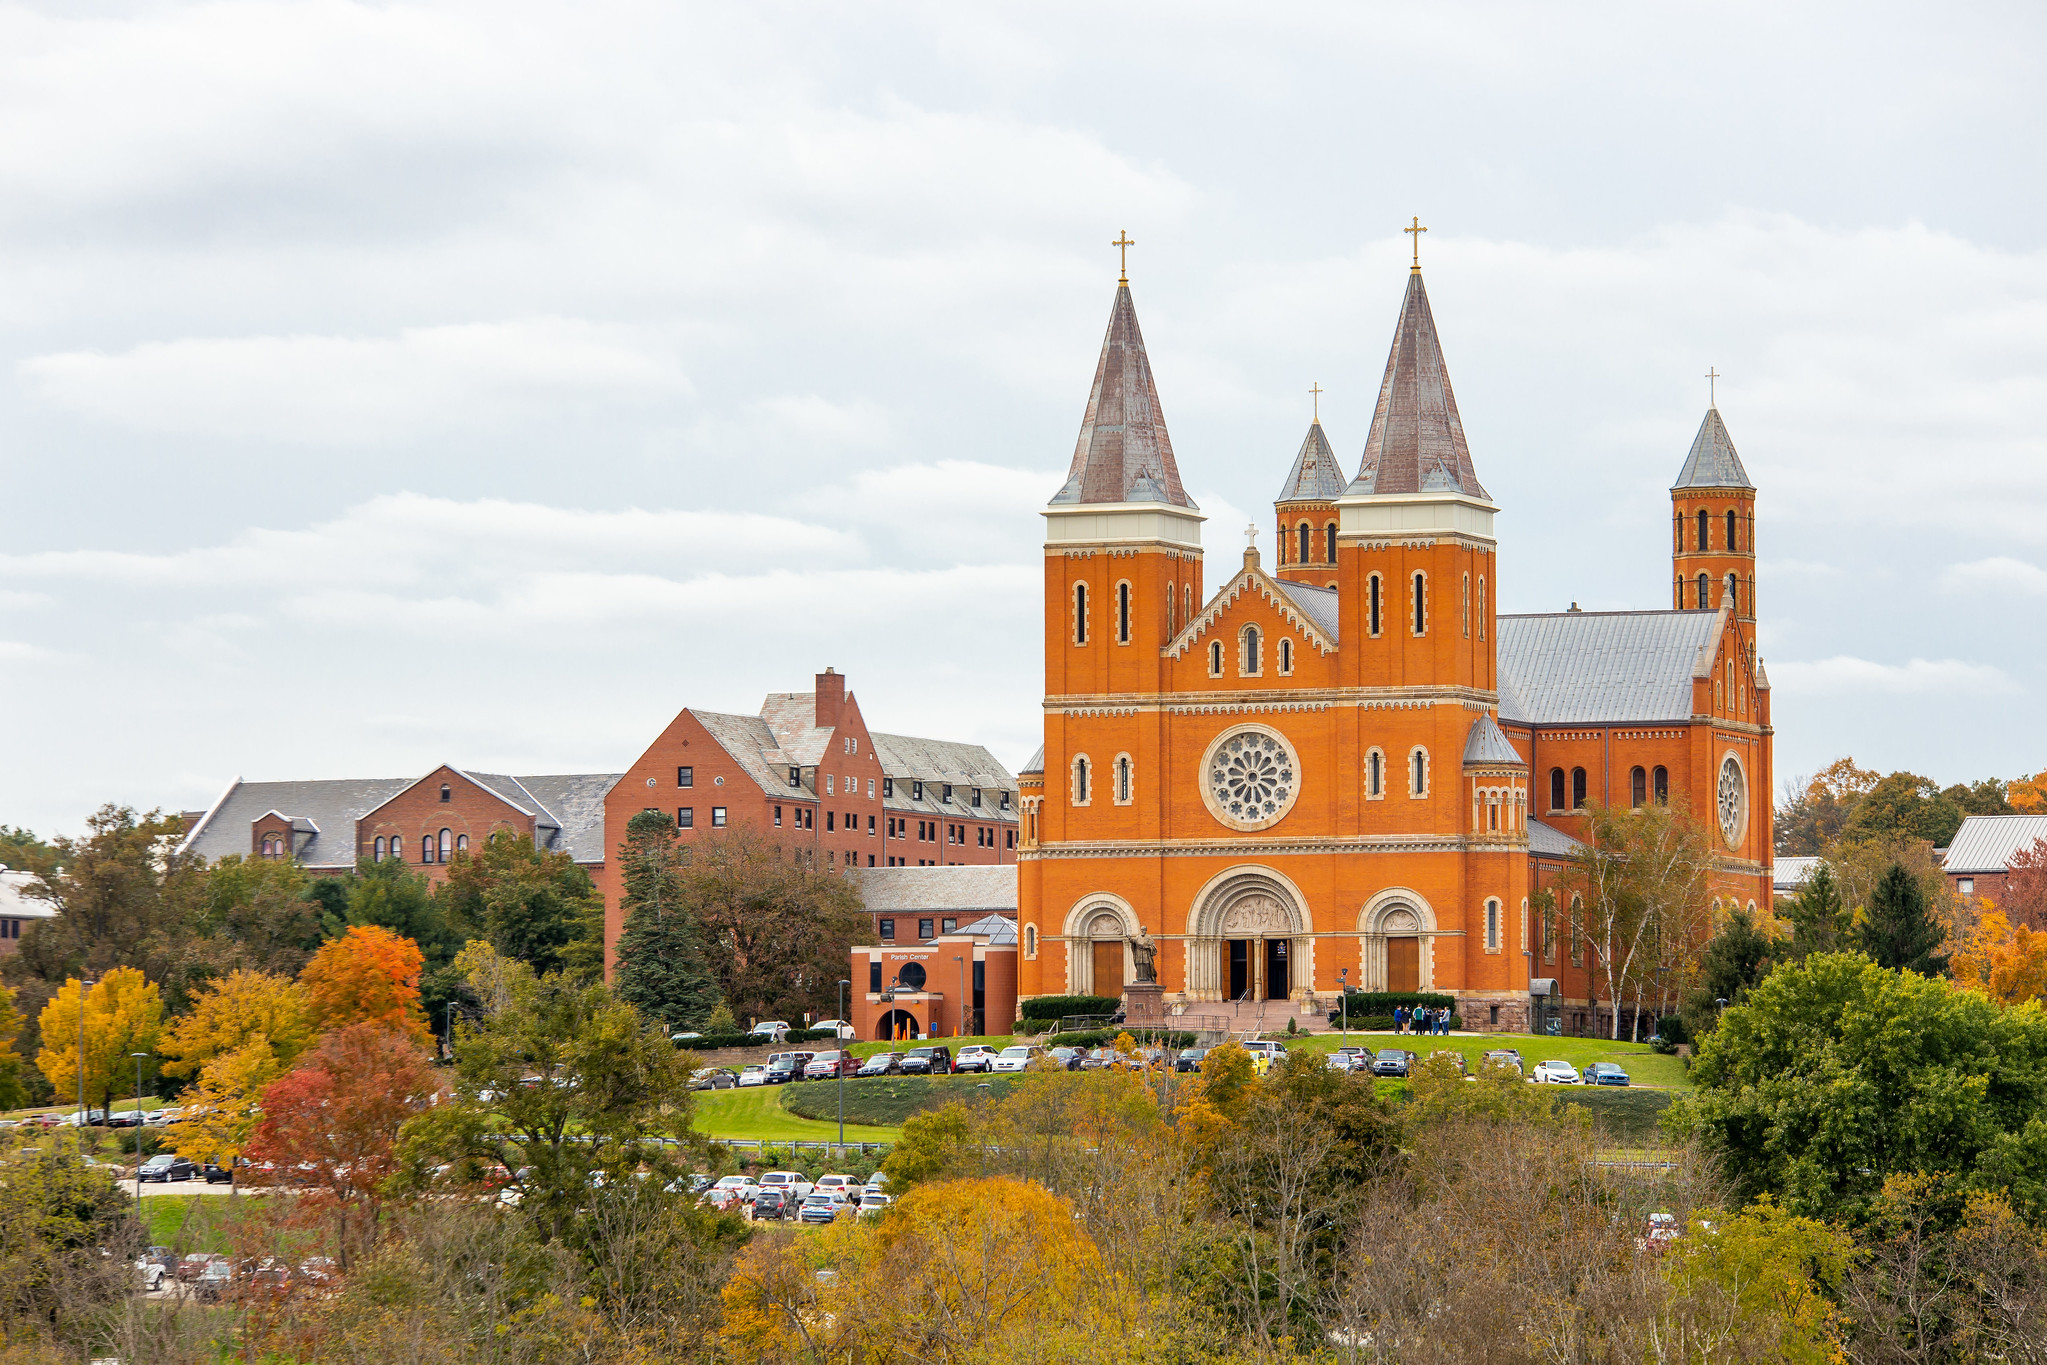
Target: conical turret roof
(1124,453)
(1712,463)
(1315,476)
(1416,444)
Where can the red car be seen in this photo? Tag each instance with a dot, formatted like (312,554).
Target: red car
(826,1066)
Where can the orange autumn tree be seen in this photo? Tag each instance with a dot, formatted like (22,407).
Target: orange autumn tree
(2005,961)
(368,975)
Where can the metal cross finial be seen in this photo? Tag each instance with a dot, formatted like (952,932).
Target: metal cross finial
(1251,535)
(1712,387)
(1123,243)
(1416,232)
(1316,389)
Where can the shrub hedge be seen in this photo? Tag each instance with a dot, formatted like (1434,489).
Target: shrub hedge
(1059,1006)
(711,1041)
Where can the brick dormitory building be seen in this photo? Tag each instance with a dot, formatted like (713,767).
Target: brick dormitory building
(805,770)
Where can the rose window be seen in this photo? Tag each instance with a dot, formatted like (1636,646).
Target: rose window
(1251,778)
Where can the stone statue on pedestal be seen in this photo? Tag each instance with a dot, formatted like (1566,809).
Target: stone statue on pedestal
(1143,954)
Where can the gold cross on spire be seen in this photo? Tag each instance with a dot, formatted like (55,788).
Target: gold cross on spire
(1712,387)
(1316,389)
(1123,243)
(1416,232)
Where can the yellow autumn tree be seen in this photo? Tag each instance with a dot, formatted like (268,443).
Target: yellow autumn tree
(123,1015)
(13,1094)
(2028,795)
(220,1113)
(2006,962)
(231,1011)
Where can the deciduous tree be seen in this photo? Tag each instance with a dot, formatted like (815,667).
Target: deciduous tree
(2006,962)
(1640,880)
(123,1015)
(2024,897)
(368,975)
(13,1089)
(221,1111)
(232,1010)
(263,907)
(1817,809)
(330,1126)
(1904,805)
(526,902)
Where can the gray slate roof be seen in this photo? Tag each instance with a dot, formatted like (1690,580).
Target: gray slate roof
(1124,453)
(1037,763)
(960,891)
(1315,476)
(577,801)
(1788,874)
(751,743)
(1712,462)
(1488,744)
(17,903)
(1319,605)
(1549,841)
(936,762)
(1416,443)
(1987,843)
(1598,667)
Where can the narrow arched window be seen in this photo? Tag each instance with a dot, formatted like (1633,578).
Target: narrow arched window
(447,844)
(1464,606)
(1215,659)
(1329,542)
(1481,606)
(1251,659)
(1080,781)
(1372,603)
(1577,789)
(1729,596)
(1080,613)
(380,849)
(1492,926)
(1302,557)
(1638,786)
(1169,613)
(1421,604)
(426,848)
(1375,775)
(1556,788)
(1418,775)
(461,843)
(446,793)
(1703,603)
(1733,540)
(1122,613)
(1123,783)
(1705,524)
(1660,784)
(1187,602)
(1286,656)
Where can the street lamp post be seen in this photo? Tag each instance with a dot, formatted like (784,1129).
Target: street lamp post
(1343,998)
(842,1067)
(83,986)
(138,1056)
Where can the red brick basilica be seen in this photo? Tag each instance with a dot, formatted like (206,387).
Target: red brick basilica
(1346,767)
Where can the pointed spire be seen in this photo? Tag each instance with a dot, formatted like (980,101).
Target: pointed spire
(1416,443)
(1124,453)
(1712,463)
(1316,477)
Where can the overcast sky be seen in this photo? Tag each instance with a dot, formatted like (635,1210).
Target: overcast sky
(386,384)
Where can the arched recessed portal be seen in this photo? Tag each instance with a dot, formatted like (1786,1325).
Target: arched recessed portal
(1097,960)
(897,1024)
(1250,939)
(1397,928)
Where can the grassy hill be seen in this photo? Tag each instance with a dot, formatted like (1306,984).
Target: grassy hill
(885,1101)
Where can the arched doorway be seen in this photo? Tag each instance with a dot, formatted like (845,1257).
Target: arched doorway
(1251,939)
(1098,929)
(897,1024)
(1396,927)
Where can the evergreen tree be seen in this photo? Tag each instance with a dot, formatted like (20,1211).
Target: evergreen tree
(1819,922)
(1735,961)
(1898,933)
(661,968)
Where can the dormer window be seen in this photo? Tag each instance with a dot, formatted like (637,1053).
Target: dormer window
(974,797)
(888,787)
(1005,800)
(947,792)
(795,776)
(447,792)
(916,791)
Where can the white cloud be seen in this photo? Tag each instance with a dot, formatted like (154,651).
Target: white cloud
(1844,675)
(1998,574)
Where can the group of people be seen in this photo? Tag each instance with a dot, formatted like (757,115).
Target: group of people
(1421,1019)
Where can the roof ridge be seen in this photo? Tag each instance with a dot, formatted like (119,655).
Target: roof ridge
(1124,453)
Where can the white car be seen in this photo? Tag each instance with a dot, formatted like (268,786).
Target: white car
(1554,1073)
(1015,1058)
(844,1030)
(872,1202)
(755,1074)
(149,1274)
(845,1183)
(974,1057)
(790,1183)
(769,1028)
(730,1190)
(877,1183)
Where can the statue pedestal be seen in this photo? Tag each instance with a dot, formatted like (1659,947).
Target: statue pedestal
(1144,1005)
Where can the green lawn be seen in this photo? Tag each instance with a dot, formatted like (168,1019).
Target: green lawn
(757,1113)
(1643,1066)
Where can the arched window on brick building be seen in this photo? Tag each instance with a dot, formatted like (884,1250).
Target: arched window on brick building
(1638,786)
(1556,788)
(1577,789)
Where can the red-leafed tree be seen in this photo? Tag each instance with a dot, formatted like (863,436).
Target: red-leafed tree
(2024,900)
(330,1127)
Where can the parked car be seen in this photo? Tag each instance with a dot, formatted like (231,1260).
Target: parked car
(731,1190)
(821,1206)
(270,1276)
(1341,1061)
(882,1064)
(928,1061)
(194,1265)
(784,1067)
(684,1036)
(1392,1061)
(214,1278)
(1108,1059)
(125,1118)
(1605,1073)
(769,1028)
(1555,1073)
(769,1206)
(1265,1051)
(157,1118)
(1503,1057)
(974,1057)
(714,1078)
(1068,1057)
(844,1183)
(842,1030)
(1016,1057)
(755,1074)
(319,1272)
(150,1274)
(789,1182)
(1189,1059)
(872,1202)
(827,1065)
(165,1168)
(217,1174)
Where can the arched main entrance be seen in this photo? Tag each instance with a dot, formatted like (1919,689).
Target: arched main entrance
(897,1024)
(1250,940)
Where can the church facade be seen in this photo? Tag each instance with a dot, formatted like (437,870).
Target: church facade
(1345,768)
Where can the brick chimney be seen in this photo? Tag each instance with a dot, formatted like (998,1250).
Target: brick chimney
(831,698)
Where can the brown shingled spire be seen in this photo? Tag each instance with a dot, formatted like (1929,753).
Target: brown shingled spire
(1416,444)
(1124,453)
